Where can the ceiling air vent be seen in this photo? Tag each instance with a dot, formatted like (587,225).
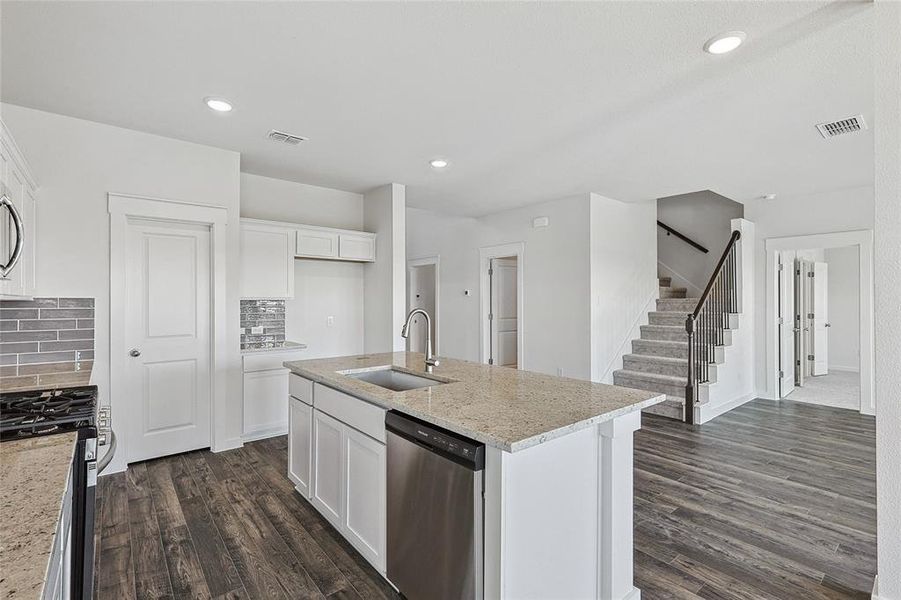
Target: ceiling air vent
(842,127)
(286,138)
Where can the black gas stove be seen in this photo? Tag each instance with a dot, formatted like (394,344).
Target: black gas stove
(64,410)
(45,412)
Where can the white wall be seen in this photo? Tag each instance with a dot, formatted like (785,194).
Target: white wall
(322,289)
(706,218)
(623,250)
(385,280)
(77,163)
(844,308)
(588,278)
(888,290)
(280,200)
(841,210)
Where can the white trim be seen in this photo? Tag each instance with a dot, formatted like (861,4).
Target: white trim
(121,208)
(863,239)
(844,368)
(707,411)
(634,333)
(486,253)
(420,262)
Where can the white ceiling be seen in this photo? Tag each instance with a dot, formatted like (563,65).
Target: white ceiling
(529,101)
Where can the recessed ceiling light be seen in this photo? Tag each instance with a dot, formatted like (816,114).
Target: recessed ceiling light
(218,104)
(768,197)
(438,163)
(725,42)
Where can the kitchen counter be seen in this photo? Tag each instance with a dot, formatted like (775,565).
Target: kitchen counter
(34,474)
(286,346)
(505,408)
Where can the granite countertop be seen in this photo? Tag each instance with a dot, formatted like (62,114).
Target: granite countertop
(34,474)
(502,407)
(285,346)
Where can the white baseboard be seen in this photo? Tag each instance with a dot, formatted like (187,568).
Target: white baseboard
(262,434)
(633,594)
(707,412)
(844,368)
(229,444)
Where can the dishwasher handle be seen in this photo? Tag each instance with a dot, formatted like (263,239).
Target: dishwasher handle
(452,446)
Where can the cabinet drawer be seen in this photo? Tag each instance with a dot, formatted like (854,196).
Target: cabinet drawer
(359,414)
(300,388)
(313,242)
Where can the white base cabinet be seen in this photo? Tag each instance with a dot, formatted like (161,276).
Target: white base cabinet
(341,469)
(300,445)
(266,393)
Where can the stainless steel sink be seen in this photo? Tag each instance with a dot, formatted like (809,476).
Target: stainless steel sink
(393,379)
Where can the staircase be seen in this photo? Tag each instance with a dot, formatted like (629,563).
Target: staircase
(659,359)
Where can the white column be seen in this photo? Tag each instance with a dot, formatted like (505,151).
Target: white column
(615,500)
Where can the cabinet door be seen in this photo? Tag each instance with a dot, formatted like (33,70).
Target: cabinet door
(356,247)
(328,467)
(265,404)
(365,510)
(317,242)
(267,261)
(300,440)
(15,283)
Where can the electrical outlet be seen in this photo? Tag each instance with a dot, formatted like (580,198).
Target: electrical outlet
(257,330)
(330,320)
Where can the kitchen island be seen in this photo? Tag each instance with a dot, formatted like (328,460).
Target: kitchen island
(558,464)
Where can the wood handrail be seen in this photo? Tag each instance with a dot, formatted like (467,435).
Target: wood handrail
(682,236)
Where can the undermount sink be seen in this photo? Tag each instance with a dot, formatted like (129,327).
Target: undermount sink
(392,379)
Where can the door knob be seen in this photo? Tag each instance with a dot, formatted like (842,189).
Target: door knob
(134,352)
(828,325)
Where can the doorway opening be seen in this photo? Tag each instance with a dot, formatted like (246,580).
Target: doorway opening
(501,305)
(821,312)
(423,292)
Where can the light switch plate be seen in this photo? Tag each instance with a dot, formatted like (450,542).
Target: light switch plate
(257,330)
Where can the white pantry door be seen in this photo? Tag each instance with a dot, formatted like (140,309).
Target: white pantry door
(504,320)
(819,308)
(786,325)
(168,345)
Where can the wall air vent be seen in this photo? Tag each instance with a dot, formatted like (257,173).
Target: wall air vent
(285,138)
(842,127)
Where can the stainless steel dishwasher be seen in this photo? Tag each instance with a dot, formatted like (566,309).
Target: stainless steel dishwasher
(435,508)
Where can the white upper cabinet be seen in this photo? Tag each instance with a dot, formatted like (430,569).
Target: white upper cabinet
(267,260)
(19,186)
(335,244)
(318,243)
(354,246)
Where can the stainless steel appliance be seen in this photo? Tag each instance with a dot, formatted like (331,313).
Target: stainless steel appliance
(35,413)
(435,510)
(13,252)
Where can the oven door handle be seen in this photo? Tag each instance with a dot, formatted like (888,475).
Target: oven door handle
(6,269)
(110,452)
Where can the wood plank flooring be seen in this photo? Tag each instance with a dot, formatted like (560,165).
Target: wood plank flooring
(767,501)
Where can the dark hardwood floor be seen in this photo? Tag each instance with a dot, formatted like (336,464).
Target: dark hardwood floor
(767,501)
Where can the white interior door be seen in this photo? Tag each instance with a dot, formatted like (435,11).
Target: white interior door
(167,326)
(503,318)
(786,325)
(819,322)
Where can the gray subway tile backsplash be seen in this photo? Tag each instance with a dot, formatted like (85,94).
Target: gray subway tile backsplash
(269,314)
(46,342)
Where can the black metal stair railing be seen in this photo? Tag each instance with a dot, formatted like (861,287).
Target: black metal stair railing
(706,324)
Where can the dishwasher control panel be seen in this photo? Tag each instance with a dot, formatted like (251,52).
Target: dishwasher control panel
(437,439)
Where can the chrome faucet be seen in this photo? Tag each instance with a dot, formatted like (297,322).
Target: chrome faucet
(430,359)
